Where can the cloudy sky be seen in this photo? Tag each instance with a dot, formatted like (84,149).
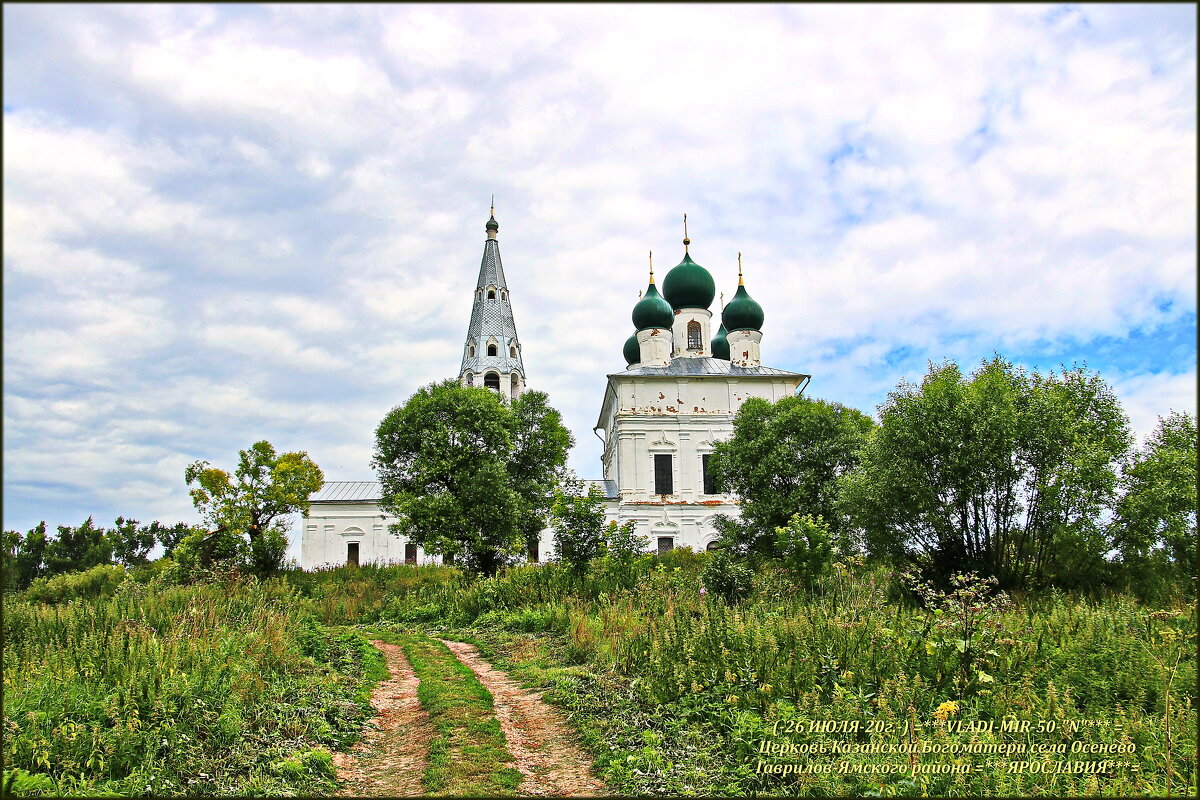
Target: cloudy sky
(231,223)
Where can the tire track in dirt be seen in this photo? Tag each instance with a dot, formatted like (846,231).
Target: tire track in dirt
(391,758)
(537,735)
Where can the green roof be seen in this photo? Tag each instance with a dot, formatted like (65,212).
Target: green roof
(633,351)
(742,313)
(652,311)
(688,285)
(720,345)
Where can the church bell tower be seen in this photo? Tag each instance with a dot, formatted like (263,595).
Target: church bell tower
(492,352)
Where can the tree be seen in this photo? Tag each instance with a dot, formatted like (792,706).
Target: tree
(785,458)
(76,549)
(578,522)
(131,543)
(264,488)
(1155,522)
(463,477)
(24,557)
(1007,474)
(804,546)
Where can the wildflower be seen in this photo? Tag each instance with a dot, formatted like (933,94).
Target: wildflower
(847,675)
(731,699)
(946,710)
(766,688)
(703,590)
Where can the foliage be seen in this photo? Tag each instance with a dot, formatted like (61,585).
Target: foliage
(1155,525)
(785,458)
(624,543)
(723,577)
(24,557)
(216,689)
(77,549)
(460,475)
(264,487)
(804,547)
(99,581)
(578,522)
(1007,473)
(130,542)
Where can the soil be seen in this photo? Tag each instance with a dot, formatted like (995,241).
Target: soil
(538,737)
(391,758)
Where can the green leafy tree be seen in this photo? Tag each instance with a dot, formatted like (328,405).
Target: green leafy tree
(169,536)
(1155,523)
(461,476)
(539,451)
(76,549)
(623,542)
(1008,474)
(254,500)
(578,521)
(785,458)
(131,543)
(805,546)
(24,557)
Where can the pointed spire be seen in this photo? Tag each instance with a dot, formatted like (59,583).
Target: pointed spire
(686,240)
(740,281)
(492,226)
(651,266)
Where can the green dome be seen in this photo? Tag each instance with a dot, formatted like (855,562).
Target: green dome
(689,285)
(652,311)
(742,313)
(720,345)
(633,351)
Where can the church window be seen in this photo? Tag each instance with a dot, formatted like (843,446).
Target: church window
(492,350)
(712,545)
(492,381)
(663,479)
(533,552)
(491,294)
(410,553)
(479,294)
(352,554)
(516,385)
(470,351)
(710,485)
(470,379)
(503,294)
(512,352)
(693,333)
(665,544)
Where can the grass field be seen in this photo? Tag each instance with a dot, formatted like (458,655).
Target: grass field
(244,688)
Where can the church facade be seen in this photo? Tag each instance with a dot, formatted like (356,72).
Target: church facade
(660,418)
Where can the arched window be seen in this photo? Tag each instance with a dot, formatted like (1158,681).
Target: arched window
(492,381)
(516,385)
(504,294)
(470,351)
(693,331)
(479,294)
(470,379)
(492,350)
(712,546)
(512,352)
(491,294)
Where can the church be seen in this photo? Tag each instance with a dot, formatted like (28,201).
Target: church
(660,417)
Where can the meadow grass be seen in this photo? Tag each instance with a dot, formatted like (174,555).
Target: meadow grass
(228,689)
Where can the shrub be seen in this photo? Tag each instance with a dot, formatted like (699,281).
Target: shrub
(725,578)
(804,547)
(99,581)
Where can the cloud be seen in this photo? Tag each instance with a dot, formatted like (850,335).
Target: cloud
(227,223)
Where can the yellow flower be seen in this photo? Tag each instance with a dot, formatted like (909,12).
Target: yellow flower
(731,699)
(766,688)
(946,710)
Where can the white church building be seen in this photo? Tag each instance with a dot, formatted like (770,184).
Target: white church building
(660,417)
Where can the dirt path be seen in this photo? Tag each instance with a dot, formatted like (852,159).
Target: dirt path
(537,735)
(390,759)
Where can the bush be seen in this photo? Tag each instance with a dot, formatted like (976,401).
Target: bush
(725,578)
(99,581)
(804,547)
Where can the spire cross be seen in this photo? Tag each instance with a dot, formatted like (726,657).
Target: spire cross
(493,205)
(652,266)
(686,240)
(740,283)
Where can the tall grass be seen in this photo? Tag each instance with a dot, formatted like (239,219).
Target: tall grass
(214,689)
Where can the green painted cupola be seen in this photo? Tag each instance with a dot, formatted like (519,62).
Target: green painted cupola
(652,311)
(688,285)
(720,345)
(742,313)
(632,350)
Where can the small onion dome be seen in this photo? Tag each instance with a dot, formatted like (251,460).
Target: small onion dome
(492,225)
(652,311)
(742,313)
(633,350)
(688,285)
(720,345)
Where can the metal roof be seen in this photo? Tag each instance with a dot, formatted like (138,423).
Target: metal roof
(348,492)
(372,492)
(706,366)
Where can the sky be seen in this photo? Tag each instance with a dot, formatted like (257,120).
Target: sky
(229,223)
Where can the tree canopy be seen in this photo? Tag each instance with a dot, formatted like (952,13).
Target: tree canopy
(264,487)
(785,458)
(467,475)
(1006,473)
